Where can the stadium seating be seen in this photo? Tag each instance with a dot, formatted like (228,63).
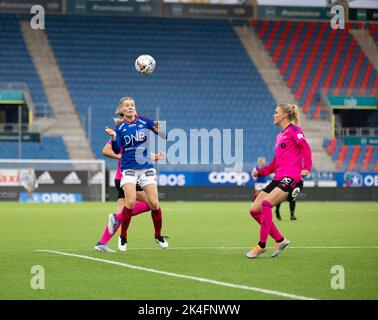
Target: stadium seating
(50,148)
(16,67)
(311,56)
(196,61)
(351,158)
(15,62)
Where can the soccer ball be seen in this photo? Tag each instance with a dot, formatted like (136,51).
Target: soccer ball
(145,64)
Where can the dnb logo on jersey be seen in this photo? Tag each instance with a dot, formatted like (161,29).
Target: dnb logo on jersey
(139,136)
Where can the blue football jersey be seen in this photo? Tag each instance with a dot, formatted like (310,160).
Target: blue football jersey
(133,138)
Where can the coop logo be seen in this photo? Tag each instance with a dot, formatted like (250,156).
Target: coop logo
(171,180)
(72,178)
(352,179)
(45,178)
(238,178)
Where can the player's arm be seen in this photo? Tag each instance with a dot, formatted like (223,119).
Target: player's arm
(253,173)
(157,157)
(116,139)
(307,155)
(267,170)
(157,128)
(305,151)
(107,151)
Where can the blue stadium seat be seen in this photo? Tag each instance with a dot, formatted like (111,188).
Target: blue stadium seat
(15,62)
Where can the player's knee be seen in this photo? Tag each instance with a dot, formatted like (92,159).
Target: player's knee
(255,207)
(129,204)
(154,205)
(254,213)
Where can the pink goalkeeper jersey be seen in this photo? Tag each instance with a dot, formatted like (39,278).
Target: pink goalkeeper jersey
(118,175)
(290,157)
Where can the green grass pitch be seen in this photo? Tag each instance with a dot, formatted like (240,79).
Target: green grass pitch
(207,240)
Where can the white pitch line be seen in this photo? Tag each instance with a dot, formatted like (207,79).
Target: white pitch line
(182,276)
(332,247)
(218,248)
(246,247)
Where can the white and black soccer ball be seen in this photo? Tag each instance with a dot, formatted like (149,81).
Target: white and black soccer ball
(145,64)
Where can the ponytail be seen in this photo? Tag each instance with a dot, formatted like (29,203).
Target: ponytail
(292,111)
(117,121)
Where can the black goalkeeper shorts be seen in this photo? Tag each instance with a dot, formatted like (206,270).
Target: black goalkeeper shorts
(121,193)
(287,184)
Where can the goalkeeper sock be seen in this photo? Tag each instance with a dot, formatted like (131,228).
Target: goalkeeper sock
(139,208)
(292,208)
(106,236)
(278,209)
(266,220)
(274,233)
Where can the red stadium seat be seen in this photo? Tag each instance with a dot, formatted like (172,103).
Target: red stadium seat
(344,149)
(351,166)
(339,164)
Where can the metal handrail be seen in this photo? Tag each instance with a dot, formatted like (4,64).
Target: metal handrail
(13,127)
(342,132)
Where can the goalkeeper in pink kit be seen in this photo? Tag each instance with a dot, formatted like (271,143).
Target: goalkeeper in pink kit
(291,163)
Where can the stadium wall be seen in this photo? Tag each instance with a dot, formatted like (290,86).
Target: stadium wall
(196,194)
(184,10)
(77,185)
(245,194)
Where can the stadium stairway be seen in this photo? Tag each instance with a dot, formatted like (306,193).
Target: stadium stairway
(66,122)
(367,44)
(316,130)
(373,30)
